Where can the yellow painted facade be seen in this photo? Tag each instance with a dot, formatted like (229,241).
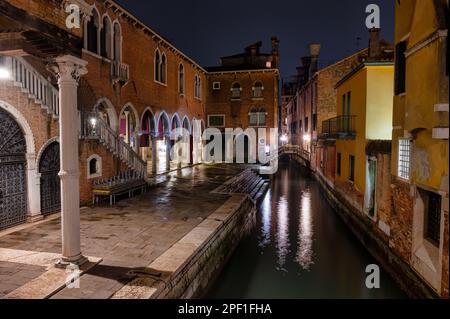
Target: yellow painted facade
(421,116)
(426,86)
(371,91)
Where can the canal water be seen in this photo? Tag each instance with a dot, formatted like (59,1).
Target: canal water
(299,248)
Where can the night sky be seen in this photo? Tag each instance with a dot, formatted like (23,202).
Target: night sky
(205,30)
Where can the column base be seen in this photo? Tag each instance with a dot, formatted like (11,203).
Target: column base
(35,218)
(65,261)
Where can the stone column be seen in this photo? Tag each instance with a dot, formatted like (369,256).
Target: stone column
(34,191)
(168,147)
(68,70)
(127,128)
(154,154)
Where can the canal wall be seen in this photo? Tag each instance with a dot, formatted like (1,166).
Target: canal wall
(409,281)
(187,269)
(350,210)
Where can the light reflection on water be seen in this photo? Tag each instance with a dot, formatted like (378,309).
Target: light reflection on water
(299,249)
(282,235)
(304,255)
(266,217)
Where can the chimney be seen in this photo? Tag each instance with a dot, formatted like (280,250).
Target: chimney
(314,51)
(304,69)
(374,43)
(275,52)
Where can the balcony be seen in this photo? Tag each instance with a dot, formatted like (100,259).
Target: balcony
(120,72)
(341,127)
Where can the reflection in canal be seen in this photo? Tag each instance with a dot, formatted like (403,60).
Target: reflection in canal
(299,249)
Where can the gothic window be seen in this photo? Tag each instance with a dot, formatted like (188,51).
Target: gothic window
(105,38)
(160,67)
(157,63)
(117,42)
(197,86)
(181,79)
(91,32)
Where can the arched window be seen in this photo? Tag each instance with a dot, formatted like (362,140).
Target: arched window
(91,33)
(160,67)
(117,44)
(94,166)
(257,117)
(197,86)
(163,68)
(253,118)
(181,79)
(262,117)
(105,38)
(258,90)
(236,91)
(157,64)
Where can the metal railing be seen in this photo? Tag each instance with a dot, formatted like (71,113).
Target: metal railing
(32,83)
(96,128)
(339,127)
(120,71)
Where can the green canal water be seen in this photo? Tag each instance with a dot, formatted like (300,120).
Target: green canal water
(299,248)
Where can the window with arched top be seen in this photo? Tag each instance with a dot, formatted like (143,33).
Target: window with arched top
(91,32)
(197,86)
(157,63)
(257,117)
(105,38)
(181,79)
(253,117)
(160,67)
(94,166)
(262,114)
(236,91)
(163,68)
(258,89)
(117,43)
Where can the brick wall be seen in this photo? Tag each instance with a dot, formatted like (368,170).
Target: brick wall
(236,112)
(43,126)
(402,218)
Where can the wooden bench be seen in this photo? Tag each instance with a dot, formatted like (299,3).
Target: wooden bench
(117,188)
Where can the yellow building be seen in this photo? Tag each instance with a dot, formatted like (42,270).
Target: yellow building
(420,135)
(364,113)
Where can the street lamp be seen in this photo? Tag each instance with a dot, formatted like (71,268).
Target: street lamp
(4,73)
(93,121)
(307,138)
(284,138)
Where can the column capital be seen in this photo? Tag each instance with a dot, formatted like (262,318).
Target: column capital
(68,68)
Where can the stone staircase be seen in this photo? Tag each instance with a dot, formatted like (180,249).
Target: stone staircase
(33,84)
(41,91)
(248,182)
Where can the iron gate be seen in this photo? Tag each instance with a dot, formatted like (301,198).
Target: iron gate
(50,182)
(13,194)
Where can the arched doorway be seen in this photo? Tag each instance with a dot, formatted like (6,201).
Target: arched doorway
(50,182)
(163,143)
(105,110)
(129,126)
(146,140)
(13,190)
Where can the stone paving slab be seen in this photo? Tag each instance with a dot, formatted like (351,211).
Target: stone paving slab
(178,255)
(130,235)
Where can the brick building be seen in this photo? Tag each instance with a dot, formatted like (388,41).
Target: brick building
(128,100)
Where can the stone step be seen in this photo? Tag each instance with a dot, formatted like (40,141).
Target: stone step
(260,195)
(257,188)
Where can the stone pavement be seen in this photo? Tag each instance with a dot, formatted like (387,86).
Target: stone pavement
(128,236)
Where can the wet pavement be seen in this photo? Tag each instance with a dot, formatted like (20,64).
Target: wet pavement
(127,236)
